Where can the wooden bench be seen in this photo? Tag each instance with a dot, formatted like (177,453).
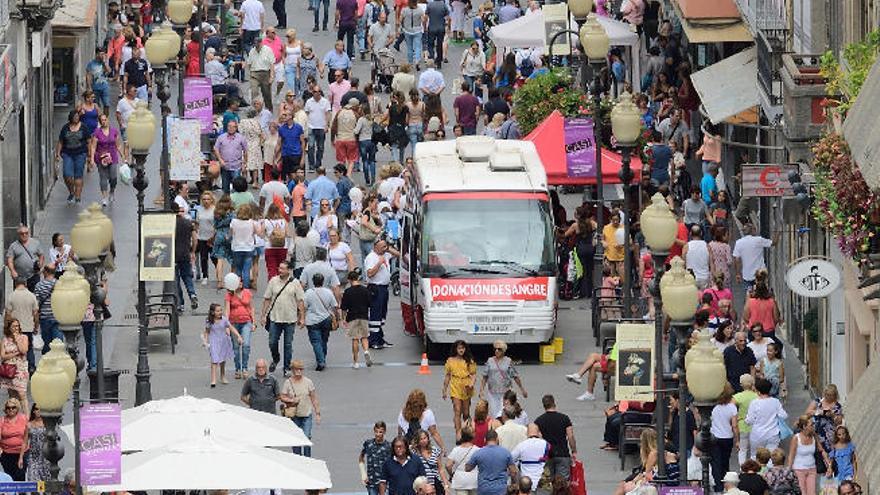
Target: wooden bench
(631,427)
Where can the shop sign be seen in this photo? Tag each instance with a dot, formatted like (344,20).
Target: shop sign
(496,289)
(100,444)
(580,147)
(634,373)
(767,180)
(813,277)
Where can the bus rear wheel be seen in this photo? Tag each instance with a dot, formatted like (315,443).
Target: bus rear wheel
(432,349)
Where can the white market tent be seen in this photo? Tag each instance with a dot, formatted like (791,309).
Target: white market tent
(528,32)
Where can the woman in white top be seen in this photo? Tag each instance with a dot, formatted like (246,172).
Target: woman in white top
(181,198)
(759,342)
(270,139)
(763,416)
(244,232)
(325,221)
(292,54)
(60,253)
(463,482)
(725,430)
(340,257)
(205,234)
(416,415)
(802,455)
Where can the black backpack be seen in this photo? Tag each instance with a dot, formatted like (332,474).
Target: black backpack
(526,67)
(414,426)
(374,12)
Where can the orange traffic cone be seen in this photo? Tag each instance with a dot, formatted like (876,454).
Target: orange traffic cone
(423,367)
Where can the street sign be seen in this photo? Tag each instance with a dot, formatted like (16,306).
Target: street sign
(767,180)
(812,277)
(22,486)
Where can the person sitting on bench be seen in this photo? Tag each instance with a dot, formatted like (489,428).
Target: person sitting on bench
(594,364)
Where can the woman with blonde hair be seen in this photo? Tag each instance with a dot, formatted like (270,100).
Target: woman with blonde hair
(780,478)
(275,232)
(481,423)
(14,439)
(802,454)
(493,128)
(828,413)
(222,250)
(205,234)
(415,416)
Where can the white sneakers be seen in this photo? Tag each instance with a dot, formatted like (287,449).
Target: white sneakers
(574,377)
(355,366)
(586,396)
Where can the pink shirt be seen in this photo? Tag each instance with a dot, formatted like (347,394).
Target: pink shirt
(361,5)
(761,310)
(337,91)
(711,149)
(277,47)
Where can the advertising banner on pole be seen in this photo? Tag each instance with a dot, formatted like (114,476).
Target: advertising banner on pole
(681,490)
(198,101)
(185,149)
(556,20)
(100,444)
(580,147)
(634,370)
(767,180)
(157,247)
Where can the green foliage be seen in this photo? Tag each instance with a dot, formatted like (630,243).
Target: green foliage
(539,96)
(846,82)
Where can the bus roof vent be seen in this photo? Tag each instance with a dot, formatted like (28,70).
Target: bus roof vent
(507,161)
(474,148)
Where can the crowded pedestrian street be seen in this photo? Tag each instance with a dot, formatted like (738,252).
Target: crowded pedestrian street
(439,247)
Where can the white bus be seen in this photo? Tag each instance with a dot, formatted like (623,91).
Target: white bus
(478,258)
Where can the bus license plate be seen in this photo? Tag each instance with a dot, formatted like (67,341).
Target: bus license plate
(490,323)
(490,328)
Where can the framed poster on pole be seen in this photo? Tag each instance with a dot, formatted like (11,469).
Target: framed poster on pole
(157,247)
(634,370)
(185,149)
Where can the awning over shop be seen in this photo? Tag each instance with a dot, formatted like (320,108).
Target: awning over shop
(863,421)
(76,14)
(730,86)
(718,30)
(549,139)
(861,129)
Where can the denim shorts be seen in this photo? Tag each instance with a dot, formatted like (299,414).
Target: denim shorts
(102,95)
(73,165)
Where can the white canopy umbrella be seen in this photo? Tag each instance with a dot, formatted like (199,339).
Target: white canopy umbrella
(162,422)
(212,463)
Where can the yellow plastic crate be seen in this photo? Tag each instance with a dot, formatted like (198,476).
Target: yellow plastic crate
(548,354)
(558,344)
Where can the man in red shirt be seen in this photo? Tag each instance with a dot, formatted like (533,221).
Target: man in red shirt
(681,237)
(467,110)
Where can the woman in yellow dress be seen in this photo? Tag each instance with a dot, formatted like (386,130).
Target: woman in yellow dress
(461,375)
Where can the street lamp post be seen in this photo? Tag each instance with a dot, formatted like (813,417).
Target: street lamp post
(69,301)
(706,379)
(158,53)
(626,125)
(595,43)
(142,132)
(680,296)
(50,388)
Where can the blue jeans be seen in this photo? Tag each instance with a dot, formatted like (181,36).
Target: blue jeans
(91,344)
(434,46)
(319,333)
(242,351)
(276,330)
(362,34)
(367,151)
(416,134)
(413,47)
(399,150)
(305,424)
(31,359)
(316,147)
(73,165)
(226,176)
(241,265)
(102,94)
(372,490)
(49,331)
(248,39)
(290,77)
(183,273)
(316,4)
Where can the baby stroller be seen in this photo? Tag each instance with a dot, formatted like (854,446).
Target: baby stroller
(384,68)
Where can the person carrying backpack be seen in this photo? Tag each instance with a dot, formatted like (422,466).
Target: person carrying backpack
(416,416)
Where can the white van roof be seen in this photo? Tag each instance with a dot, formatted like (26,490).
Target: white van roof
(479,163)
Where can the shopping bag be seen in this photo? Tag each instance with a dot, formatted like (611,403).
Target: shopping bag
(578,482)
(125,174)
(785,431)
(828,486)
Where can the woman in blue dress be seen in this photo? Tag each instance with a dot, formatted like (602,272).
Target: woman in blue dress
(843,455)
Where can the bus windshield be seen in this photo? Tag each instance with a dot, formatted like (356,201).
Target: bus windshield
(504,237)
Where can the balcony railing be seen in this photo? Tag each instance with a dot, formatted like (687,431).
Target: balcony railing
(763,14)
(771,45)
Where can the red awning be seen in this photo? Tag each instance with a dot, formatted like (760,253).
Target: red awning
(549,139)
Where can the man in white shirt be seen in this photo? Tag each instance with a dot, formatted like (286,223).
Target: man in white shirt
(431,81)
(532,454)
(748,256)
(318,111)
(510,433)
(377,267)
(273,188)
(697,259)
(261,65)
(381,34)
(124,108)
(253,19)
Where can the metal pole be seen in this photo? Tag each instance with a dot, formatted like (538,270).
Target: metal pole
(71,336)
(600,194)
(626,177)
(200,18)
(53,450)
(165,160)
(142,375)
(704,441)
(682,333)
(98,295)
(660,405)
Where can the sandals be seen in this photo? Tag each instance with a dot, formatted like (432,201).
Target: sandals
(608,447)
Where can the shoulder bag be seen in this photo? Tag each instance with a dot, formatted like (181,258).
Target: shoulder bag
(333,323)
(821,467)
(272,306)
(286,410)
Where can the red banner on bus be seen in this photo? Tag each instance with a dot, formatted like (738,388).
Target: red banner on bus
(496,289)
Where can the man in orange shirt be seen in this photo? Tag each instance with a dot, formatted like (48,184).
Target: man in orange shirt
(298,196)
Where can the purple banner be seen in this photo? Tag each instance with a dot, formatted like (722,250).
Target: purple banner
(681,490)
(198,101)
(101,444)
(580,147)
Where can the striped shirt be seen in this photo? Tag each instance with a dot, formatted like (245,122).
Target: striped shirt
(43,291)
(430,463)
